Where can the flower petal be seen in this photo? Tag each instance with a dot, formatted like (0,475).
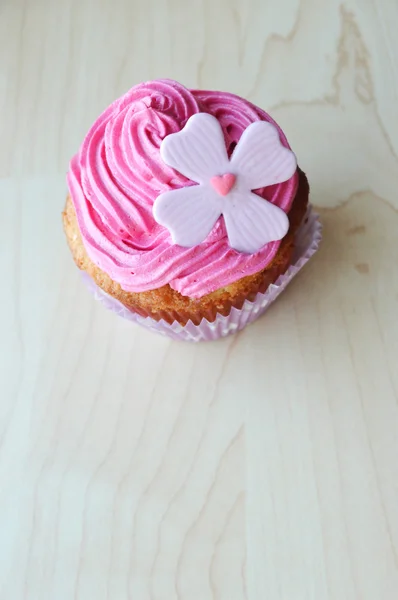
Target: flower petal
(188,213)
(260,159)
(252,222)
(198,151)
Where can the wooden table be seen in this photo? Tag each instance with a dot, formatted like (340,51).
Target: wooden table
(266,466)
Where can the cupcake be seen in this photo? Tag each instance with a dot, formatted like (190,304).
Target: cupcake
(184,208)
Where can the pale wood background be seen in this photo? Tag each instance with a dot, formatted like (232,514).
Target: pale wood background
(266,466)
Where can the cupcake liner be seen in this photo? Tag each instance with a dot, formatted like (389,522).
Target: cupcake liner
(307,241)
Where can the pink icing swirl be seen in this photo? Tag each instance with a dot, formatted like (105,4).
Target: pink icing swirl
(118,174)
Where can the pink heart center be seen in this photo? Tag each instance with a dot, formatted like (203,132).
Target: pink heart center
(223,184)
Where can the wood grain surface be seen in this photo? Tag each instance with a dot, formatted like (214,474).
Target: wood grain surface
(260,467)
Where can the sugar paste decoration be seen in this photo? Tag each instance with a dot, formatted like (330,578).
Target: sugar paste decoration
(224,185)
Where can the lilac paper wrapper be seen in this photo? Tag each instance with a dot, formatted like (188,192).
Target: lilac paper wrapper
(307,241)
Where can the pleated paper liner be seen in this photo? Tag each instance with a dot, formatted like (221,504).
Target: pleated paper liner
(307,242)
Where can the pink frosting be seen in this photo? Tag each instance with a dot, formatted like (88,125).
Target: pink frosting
(118,174)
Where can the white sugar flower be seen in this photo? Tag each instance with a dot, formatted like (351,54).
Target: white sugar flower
(198,151)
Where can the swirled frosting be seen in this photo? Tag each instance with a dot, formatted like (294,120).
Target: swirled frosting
(118,173)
